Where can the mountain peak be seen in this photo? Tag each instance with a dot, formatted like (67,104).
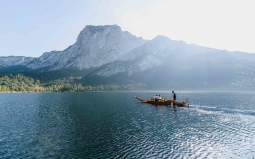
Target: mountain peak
(100,28)
(161,38)
(103,26)
(95,46)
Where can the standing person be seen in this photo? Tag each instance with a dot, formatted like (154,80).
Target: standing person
(174,96)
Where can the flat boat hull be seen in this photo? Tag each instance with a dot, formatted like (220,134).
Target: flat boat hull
(167,102)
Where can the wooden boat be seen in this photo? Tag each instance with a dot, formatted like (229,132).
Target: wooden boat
(165,102)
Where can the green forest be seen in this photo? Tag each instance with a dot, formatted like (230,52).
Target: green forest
(19,82)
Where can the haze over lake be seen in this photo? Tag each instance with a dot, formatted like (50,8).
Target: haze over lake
(116,125)
(78,79)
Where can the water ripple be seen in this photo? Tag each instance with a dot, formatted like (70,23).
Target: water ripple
(74,126)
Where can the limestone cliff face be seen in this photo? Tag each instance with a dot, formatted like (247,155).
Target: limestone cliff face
(106,47)
(95,46)
(111,50)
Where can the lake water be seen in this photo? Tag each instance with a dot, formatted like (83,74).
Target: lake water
(116,125)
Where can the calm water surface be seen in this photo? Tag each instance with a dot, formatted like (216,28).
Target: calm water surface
(116,125)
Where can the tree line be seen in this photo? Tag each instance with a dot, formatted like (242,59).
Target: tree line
(21,83)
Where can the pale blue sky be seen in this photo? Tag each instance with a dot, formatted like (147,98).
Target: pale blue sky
(30,27)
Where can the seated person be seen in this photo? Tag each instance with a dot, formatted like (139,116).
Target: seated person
(159,97)
(156,98)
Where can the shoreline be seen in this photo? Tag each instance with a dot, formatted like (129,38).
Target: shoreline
(132,91)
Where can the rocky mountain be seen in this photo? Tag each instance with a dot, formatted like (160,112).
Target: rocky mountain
(95,46)
(114,56)
(164,63)
(15,60)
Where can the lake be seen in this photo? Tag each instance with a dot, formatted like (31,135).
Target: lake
(116,125)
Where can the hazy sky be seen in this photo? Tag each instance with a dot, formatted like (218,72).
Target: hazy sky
(32,27)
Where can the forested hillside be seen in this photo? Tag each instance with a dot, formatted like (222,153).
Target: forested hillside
(21,83)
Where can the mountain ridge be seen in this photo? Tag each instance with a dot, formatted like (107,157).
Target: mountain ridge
(92,39)
(111,54)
